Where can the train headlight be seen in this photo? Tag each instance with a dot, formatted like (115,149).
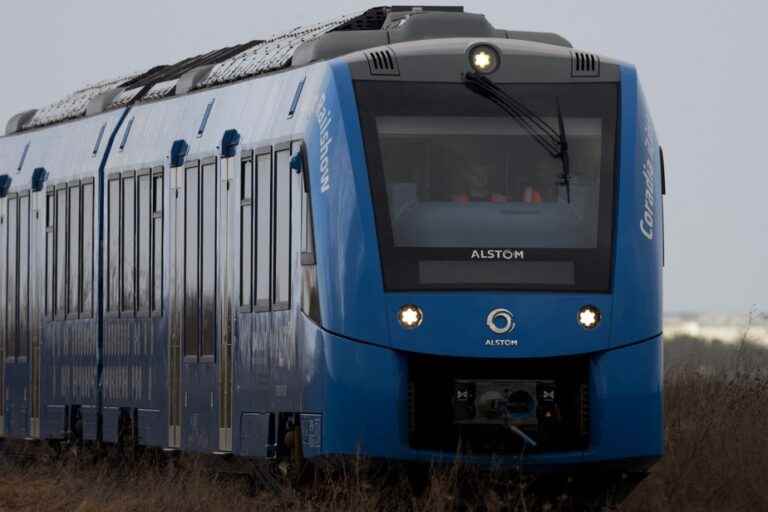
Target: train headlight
(410,316)
(484,59)
(589,317)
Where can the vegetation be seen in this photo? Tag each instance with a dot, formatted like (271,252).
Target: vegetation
(716,405)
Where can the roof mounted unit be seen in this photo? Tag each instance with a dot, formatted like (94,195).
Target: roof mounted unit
(17,122)
(363,30)
(192,78)
(101,102)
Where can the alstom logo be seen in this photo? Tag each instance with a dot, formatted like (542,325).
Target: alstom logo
(498,254)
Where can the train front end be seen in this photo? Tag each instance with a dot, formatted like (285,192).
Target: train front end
(488,234)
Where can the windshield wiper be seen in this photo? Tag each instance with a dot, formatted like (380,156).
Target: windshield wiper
(554,142)
(565,178)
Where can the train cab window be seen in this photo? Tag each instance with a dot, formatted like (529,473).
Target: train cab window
(50,250)
(263,231)
(453,178)
(62,239)
(86,301)
(113,246)
(157,242)
(246,231)
(129,243)
(73,300)
(281,294)
(144,236)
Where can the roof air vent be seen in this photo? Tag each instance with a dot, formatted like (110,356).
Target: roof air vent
(585,65)
(383,62)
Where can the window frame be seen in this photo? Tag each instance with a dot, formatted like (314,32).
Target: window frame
(209,357)
(188,356)
(263,304)
(157,269)
(49,306)
(74,185)
(24,314)
(60,311)
(118,279)
(143,173)
(247,157)
(87,252)
(128,311)
(276,305)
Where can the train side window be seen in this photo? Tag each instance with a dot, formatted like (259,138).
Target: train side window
(191,260)
(129,243)
(61,271)
(86,302)
(157,242)
(50,251)
(307,226)
(22,341)
(246,232)
(208,265)
(113,244)
(281,294)
(144,237)
(263,230)
(13,275)
(73,299)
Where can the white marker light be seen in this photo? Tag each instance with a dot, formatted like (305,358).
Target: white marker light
(589,317)
(410,316)
(484,59)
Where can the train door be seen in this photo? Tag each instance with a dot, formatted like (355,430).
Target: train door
(194,331)
(36,304)
(225,306)
(17,392)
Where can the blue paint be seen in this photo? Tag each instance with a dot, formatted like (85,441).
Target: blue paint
(347,379)
(296,97)
(206,115)
(229,143)
(5,185)
(127,133)
(23,158)
(98,139)
(179,151)
(39,177)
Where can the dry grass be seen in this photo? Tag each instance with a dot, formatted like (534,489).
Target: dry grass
(716,404)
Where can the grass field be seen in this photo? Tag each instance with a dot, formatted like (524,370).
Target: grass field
(716,405)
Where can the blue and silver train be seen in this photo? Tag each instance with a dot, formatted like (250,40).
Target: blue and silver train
(402,233)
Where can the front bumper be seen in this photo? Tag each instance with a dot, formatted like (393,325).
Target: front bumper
(365,408)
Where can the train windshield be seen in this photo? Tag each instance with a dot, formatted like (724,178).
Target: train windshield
(467,198)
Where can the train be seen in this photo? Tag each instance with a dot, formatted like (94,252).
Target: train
(402,233)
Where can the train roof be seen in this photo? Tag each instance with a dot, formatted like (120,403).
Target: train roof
(299,46)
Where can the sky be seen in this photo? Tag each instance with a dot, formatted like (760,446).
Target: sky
(702,65)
